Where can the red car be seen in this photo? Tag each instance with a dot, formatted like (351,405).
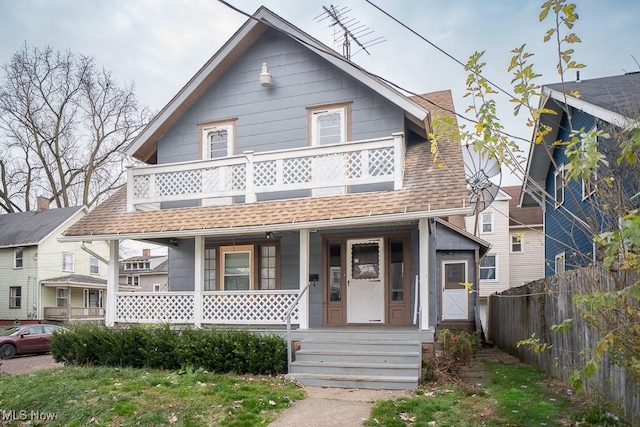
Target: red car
(24,339)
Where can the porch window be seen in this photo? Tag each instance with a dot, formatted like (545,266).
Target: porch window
(268,267)
(217,139)
(236,267)
(335,272)
(94,266)
(68,262)
(133,280)
(489,267)
(92,298)
(18,257)
(210,269)
(15,296)
(62,297)
(396,271)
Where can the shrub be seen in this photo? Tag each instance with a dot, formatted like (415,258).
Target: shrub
(158,346)
(456,349)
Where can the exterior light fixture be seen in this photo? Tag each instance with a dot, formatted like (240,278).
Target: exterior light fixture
(265,79)
(270,235)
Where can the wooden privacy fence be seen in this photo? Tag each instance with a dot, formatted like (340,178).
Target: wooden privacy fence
(517,313)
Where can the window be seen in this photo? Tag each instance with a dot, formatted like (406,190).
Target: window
(489,267)
(15,296)
(92,298)
(486,225)
(236,267)
(589,185)
(560,263)
(210,269)
(396,270)
(455,274)
(328,125)
(133,280)
(217,139)
(68,262)
(62,297)
(94,266)
(18,258)
(558,185)
(267,267)
(138,265)
(517,245)
(156,287)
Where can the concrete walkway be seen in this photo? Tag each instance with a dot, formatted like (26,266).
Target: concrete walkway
(23,364)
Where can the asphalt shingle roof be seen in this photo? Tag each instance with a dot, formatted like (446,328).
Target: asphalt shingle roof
(29,228)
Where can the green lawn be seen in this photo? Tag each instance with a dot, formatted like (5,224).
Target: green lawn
(78,396)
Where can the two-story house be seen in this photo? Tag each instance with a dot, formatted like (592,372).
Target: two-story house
(292,186)
(46,280)
(144,273)
(576,211)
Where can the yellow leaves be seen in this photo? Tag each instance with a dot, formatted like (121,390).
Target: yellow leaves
(479,127)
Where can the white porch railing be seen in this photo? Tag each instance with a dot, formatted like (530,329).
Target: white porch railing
(67,313)
(224,308)
(358,162)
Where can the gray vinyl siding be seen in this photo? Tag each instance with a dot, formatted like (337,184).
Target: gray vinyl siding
(277,118)
(182,266)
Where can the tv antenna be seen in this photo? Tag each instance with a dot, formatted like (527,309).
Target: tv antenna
(347,30)
(483,175)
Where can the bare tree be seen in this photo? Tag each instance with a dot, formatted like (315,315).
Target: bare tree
(63,122)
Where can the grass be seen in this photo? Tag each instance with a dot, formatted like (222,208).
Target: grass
(79,396)
(517,395)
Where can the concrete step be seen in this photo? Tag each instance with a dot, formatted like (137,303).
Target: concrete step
(362,335)
(358,345)
(353,368)
(358,356)
(357,381)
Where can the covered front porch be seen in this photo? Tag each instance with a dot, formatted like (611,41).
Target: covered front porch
(74,298)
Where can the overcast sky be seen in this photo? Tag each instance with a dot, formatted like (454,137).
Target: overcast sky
(160,44)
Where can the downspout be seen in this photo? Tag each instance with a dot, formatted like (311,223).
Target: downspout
(93,254)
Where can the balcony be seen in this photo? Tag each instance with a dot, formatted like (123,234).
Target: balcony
(372,161)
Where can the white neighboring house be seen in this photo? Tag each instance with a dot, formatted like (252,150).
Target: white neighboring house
(43,279)
(517,245)
(146,273)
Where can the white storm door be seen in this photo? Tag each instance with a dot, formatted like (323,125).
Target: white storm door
(365,281)
(455,297)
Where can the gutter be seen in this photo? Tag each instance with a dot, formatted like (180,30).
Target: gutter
(292,226)
(90,252)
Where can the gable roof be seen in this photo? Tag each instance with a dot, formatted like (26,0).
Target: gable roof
(614,99)
(483,245)
(144,146)
(30,228)
(519,217)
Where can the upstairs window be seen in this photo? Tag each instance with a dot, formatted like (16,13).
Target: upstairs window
(18,258)
(489,267)
(94,266)
(328,125)
(133,280)
(517,246)
(68,262)
(218,139)
(486,225)
(558,186)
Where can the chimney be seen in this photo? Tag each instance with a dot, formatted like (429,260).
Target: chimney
(146,252)
(42,204)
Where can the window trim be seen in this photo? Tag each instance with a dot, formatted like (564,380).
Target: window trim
(97,265)
(562,256)
(495,267)
(21,258)
(345,119)
(156,287)
(492,223)
(73,262)
(86,300)
(256,267)
(558,173)
(446,262)
(16,298)
(205,128)
(223,250)
(65,297)
(593,183)
(520,242)
(134,278)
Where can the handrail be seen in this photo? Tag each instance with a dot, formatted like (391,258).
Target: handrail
(288,317)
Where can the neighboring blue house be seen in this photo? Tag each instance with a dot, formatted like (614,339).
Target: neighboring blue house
(574,212)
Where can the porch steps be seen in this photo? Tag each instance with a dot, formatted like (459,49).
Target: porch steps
(370,359)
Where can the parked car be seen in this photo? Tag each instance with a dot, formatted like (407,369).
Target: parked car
(25,339)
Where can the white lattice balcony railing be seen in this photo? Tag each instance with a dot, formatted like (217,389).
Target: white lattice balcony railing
(338,165)
(222,308)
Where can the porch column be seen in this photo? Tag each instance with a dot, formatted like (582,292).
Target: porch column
(112,282)
(198,277)
(303,304)
(423,231)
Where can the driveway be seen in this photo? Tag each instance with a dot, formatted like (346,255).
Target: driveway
(23,364)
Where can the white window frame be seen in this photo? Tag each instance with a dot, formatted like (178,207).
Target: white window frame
(157,287)
(590,186)
(64,297)
(208,128)
(490,223)
(18,257)
(86,299)
(15,300)
(318,112)
(519,240)
(224,250)
(560,263)
(558,174)
(496,277)
(69,267)
(94,262)
(133,280)
(445,263)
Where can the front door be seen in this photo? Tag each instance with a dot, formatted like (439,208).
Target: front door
(455,296)
(365,281)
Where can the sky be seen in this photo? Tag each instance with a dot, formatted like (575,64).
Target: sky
(160,44)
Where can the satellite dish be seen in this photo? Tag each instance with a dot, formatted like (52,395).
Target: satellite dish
(483,175)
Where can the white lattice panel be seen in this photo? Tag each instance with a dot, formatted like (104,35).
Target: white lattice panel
(239,174)
(181,182)
(354,160)
(248,308)
(296,170)
(139,307)
(381,162)
(141,186)
(265,173)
